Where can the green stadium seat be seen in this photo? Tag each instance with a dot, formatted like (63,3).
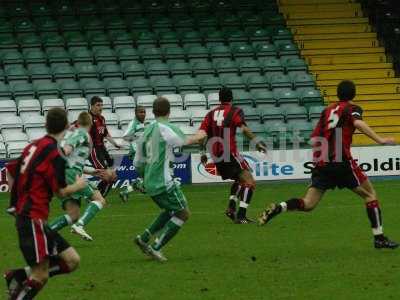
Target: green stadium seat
(117,87)
(251,113)
(62,8)
(203,68)
(206,20)
(40,10)
(226,66)
(220,52)
(286,48)
(92,87)
(315,112)
(89,9)
(86,70)
(7,41)
(132,69)
(213,36)
(75,39)
(98,38)
(195,51)
(168,37)
(279,80)
(121,38)
(46,89)
(144,37)
(24,25)
(249,19)
(6,27)
(301,80)
(115,22)
(273,115)
(162,85)
(233,81)
(280,133)
(52,39)
(69,23)
(235,35)
(137,23)
(2,76)
(58,55)
(110,70)
(190,36)
(242,99)
(195,100)
(92,24)
(34,56)
(157,68)
(174,53)
(69,89)
(296,113)
(310,96)
(126,53)
(17,9)
(108,8)
(302,129)
(11,57)
(140,86)
(264,99)
(46,24)
(179,68)
(63,71)
(22,90)
(257,82)
(271,64)
(104,55)
(242,50)
(16,72)
(209,83)
(148,53)
(81,55)
(186,84)
(259,34)
(249,66)
(295,64)
(272,18)
(39,71)
(5,91)
(286,97)
(29,40)
(229,20)
(265,50)
(184,22)
(282,33)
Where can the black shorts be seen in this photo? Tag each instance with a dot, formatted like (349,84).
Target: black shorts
(233,168)
(100,158)
(37,242)
(345,174)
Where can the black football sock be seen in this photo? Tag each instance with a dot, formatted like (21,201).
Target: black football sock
(104,187)
(375,218)
(233,198)
(57,266)
(292,204)
(246,196)
(30,289)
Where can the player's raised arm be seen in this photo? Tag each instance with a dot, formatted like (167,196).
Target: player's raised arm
(368,131)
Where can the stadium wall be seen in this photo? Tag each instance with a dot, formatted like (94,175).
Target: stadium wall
(276,165)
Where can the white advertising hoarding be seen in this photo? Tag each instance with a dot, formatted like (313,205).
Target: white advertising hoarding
(296,164)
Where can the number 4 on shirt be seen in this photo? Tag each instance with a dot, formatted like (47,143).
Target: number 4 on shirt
(219,117)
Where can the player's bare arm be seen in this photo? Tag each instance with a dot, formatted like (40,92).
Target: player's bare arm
(368,131)
(197,138)
(78,185)
(261,146)
(112,141)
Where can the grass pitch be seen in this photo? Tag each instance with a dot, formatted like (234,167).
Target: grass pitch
(326,254)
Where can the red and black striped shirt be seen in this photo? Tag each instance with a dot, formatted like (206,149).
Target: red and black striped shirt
(38,173)
(98,131)
(334,132)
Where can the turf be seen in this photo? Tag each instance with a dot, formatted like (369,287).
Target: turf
(326,254)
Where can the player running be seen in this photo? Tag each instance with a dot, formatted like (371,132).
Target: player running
(219,127)
(37,174)
(152,161)
(334,165)
(133,132)
(76,146)
(99,157)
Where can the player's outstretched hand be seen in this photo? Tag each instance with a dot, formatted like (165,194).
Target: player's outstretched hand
(80,182)
(388,141)
(261,147)
(204,159)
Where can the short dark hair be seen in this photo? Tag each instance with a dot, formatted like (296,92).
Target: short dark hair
(56,120)
(95,99)
(139,107)
(346,90)
(225,95)
(161,107)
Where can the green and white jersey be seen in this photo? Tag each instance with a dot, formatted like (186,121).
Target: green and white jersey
(155,153)
(79,140)
(132,134)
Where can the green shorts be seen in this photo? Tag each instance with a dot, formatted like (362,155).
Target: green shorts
(86,193)
(172,200)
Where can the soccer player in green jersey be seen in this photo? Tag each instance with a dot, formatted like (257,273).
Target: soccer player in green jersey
(76,147)
(132,134)
(152,161)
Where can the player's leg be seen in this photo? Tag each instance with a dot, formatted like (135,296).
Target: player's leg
(135,185)
(248,185)
(72,209)
(107,161)
(97,202)
(366,191)
(233,200)
(311,199)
